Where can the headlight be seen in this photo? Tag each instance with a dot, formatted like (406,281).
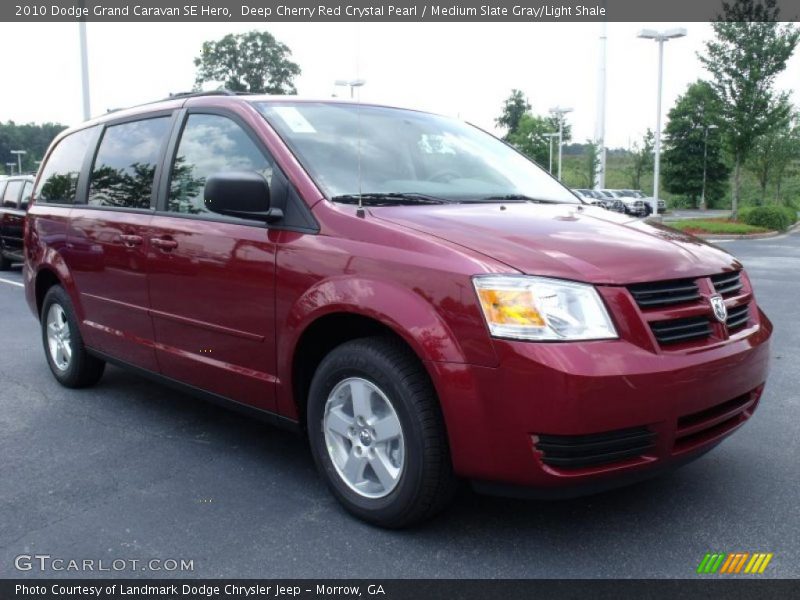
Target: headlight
(538,308)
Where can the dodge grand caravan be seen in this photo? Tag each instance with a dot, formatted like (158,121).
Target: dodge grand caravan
(425,303)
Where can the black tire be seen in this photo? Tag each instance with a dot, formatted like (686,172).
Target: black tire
(427,482)
(5,263)
(83,369)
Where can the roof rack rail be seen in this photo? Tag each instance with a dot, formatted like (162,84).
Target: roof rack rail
(222,92)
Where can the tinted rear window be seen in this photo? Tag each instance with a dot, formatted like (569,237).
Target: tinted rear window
(58,183)
(125,165)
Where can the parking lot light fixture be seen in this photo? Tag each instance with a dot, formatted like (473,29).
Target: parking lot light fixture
(559,113)
(19,154)
(660,37)
(351,83)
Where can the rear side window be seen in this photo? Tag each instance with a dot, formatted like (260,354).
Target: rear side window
(125,165)
(26,195)
(11,195)
(210,144)
(58,182)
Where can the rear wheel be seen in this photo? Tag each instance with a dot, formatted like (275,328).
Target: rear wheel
(5,263)
(66,354)
(377,434)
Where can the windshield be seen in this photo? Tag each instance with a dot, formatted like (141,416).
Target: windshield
(394,151)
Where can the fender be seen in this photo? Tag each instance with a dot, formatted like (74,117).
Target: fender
(40,256)
(408,314)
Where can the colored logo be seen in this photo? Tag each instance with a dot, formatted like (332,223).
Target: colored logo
(734,563)
(720,311)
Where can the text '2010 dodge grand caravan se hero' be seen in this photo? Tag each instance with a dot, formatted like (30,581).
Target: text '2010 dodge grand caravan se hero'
(424,301)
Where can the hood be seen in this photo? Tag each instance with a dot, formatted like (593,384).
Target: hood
(589,244)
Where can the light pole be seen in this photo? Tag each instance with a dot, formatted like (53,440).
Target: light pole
(660,37)
(351,83)
(19,154)
(559,113)
(87,111)
(705,162)
(600,127)
(551,136)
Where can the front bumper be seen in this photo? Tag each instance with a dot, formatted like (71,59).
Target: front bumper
(689,400)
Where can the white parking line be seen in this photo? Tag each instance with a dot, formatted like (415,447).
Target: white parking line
(16,283)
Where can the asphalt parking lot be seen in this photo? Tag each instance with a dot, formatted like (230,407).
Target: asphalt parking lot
(132,470)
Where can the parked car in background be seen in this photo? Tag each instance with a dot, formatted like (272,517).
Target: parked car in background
(632,205)
(648,201)
(588,196)
(15,194)
(435,308)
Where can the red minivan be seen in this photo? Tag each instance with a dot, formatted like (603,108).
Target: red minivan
(424,302)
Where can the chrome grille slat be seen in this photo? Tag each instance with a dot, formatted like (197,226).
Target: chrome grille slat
(664,293)
(727,284)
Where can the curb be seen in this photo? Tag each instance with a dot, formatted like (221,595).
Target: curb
(750,236)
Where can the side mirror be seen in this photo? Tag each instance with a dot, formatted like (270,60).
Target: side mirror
(240,194)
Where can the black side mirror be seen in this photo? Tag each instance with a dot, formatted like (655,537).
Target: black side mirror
(240,194)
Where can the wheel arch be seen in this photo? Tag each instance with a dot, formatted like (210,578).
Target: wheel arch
(334,312)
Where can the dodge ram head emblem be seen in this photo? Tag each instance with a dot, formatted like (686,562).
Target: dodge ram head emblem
(718,304)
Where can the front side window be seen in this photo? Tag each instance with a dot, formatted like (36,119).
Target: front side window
(351,149)
(210,144)
(125,166)
(58,183)
(11,195)
(26,195)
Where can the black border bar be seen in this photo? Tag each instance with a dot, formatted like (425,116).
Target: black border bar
(326,11)
(709,586)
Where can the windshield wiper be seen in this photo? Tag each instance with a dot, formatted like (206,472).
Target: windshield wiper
(513,198)
(388,199)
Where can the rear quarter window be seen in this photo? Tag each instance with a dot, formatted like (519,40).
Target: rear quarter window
(58,183)
(125,165)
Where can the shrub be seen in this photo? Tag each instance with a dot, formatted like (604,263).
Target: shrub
(771,216)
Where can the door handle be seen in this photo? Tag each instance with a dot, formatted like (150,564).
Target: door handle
(164,244)
(131,240)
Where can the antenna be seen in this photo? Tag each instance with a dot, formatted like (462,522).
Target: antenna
(360,210)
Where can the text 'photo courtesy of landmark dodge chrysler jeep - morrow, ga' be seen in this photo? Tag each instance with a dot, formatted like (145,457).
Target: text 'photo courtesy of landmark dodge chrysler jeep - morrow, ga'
(421,300)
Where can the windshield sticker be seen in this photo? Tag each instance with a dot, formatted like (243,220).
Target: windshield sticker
(294,119)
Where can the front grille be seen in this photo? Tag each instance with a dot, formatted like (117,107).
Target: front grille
(737,317)
(676,331)
(727,284)
(577,451)
(703,426)
(664,293)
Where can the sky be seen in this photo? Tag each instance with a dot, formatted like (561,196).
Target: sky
(460,69)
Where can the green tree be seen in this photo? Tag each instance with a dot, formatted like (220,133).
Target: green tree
(32,138)
(749,50)
(566,134)
(252,62)
(773,154)
(514,108)
(692,140)
(590,163)
(529,138)
(641,159)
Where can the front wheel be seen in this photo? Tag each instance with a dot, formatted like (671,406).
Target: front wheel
(377,433)
(69,361)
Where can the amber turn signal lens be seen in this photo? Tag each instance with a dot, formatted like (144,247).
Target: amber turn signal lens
(510,307)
